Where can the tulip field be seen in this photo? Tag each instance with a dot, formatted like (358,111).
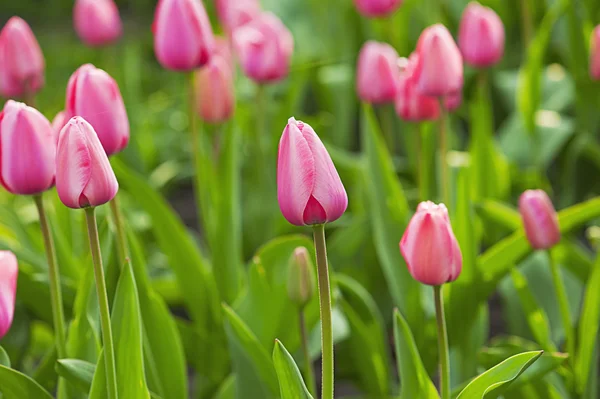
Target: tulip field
(286,199)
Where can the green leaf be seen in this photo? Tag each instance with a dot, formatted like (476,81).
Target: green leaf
(4,359)
(15,385)
(500,214)
(98,389)
(291,384)
(496,380)
(77,372)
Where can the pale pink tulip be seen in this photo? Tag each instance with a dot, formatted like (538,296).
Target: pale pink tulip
(9,270)
(595,54)
(377,73)
(97,22)
(235,13)
(410,104)
(215,94)
(59,121)
(481,36)
(539,219)
(377,8)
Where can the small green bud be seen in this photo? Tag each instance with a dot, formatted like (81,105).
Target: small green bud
(301,277)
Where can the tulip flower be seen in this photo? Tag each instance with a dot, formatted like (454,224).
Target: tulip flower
(183,38)
(235,13)
(215,95)
(94,95)
(377,8)
(59,121)
(410,104)
(301,277)
(264,47)
(429,246)
(309,189)
(595,54)
(97,22)
(539,219)
(21,60)
(9,271)
(84,176)
(377,73)
(481,36)
(27,150)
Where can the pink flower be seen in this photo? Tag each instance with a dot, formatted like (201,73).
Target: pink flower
(429,246)
(235,13)
(539,219)
(410,105)
(377,73)
(97,22)
(264,47)
(21,60)
(377,8)
(214,90)
(59,121)
(84,176)
(9,270)
(481,36)
(183,37)
(94,95)
(27,150)
(595,54)
(309,189)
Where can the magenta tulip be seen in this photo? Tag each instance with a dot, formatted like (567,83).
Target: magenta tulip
(235,13)
(377,8)
(9,270)
(97,22)
(309,189)
(377,73)
(539,219)
(215,94)
(595,54)
(410,104)
(481,36)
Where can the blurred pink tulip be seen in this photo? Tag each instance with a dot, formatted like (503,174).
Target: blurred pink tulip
(264,47)
(94,95)
(377,73)
(481,36)
(309,189)
(9,270)
(27,150)
(377,8)
(595,54)
(97,22)
(21,60)
(59,121)
(452,101)
(84,176)
(215,94)
(183,37)
(539,219)
(235,13)
(429,246)
(410,105)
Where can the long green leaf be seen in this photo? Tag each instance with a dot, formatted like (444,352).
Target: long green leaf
(16,385)
(4,359)
(291,384)
(500,214)
(77,372)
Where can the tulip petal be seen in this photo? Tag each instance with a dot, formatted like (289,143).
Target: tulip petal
(73,165)
(8,289)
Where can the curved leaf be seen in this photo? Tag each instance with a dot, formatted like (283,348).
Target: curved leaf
(16,385)
(78,372)
(4,359)
(291,384)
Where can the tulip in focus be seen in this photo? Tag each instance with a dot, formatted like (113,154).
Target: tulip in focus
(264,47)
(377,73)
(21,60)
(429,246)
(27,150)
(235,13)
(481,36)
(94,95)
(539,219)
(183,37)
(97,22)
(302,282)
(377,8)
(84,176)
(309,189)
(595,54)
(410,105)
(9,270)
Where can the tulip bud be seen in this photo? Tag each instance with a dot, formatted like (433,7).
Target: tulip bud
(214,91)
(539,219)
(595,54)
(301,277)
(481,36)
(235,13)
(97,22)
(21,60)
(9,270)
(183,38)
(377,73)
(27,150)
(440,68)
(429,246)
(410,104)
(377,8)
(309,189)
(94,95)
(264,47)
(84,176)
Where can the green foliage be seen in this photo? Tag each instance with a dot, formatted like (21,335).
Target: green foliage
(291,384)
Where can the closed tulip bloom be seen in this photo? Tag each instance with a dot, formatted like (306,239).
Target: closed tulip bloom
(94,95)
(539,219)
(214,90)
(84,176)
(429,246)
(27,150)
(309,189)
(9,271)
(183,37)
(97,22)
(481,36)
(377,8)
(302,282)
(410,104)
(264,47)
(439,71)
(21,60)
(59,121)
(235,13)
(377,73)
(595,54)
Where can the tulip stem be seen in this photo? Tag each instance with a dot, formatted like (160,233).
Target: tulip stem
(442,343)
(309,373)
(443,152)
(325,303)
(121,239)
(109,353)
(563,304)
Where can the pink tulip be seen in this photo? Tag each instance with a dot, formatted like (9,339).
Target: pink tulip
(235,13)
(481,36)
(84,176)
(27,150)
(59,121)
(183,38)
(309,189)
(9,270)
(410,105)
(452,101)
(94,95)
(264,47)
(377,73)
(539,219)
(595,54)
(214,90)
(429,246)
(21,60)
(439,71)
(377,8)
(97,22)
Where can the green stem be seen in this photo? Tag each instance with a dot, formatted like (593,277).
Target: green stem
(563,305)
(309,373)
(387,121)
(121,238)
(109,353)
(442,343)
(325,303)
(421,164)
(526,23)
(443,140)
